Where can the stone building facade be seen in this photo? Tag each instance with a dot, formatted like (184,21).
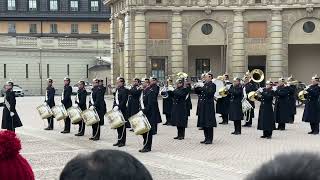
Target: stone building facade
(163,37)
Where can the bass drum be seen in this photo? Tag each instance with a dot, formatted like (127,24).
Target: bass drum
(139,123)
(219,85)
(90,117)
(74,114)
(59,112)
(44,111)
(115,118)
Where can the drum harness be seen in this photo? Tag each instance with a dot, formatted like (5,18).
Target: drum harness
(142,107)
(92,103)
(77,100)
(117,103)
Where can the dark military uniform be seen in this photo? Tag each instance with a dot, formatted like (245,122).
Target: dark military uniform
(9,104)
(281,109)
(156,89)
(50,92)
(292,102)
(133,102)
(266,121)
(81,101)
(96,101)
(67,102)
(150,109)
(249,87)
(103,90)
(235,110)
(123,94)
(167,107)
(206,113)
(312,111)
(222,108)
(188,100)
(179,111)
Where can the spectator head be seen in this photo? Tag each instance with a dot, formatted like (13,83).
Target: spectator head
(293,166)
(12,165)
(105,164)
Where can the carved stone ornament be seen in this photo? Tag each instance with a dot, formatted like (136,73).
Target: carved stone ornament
(309,11)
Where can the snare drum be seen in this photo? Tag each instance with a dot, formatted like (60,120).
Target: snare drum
(74,114)
(59,112)
(139,124)
(44,111)
(115,118)
(90,117)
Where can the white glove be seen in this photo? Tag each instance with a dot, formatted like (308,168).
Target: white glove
(260,90)
(76,105)
(140,113)
(11,114)
(274,88)
(116,108)
(91,107)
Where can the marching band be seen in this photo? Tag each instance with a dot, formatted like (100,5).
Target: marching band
(136,106)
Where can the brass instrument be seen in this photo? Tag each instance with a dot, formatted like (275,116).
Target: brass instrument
(257,75)
(254,95)
(223,92)
(164,90)
(301,94)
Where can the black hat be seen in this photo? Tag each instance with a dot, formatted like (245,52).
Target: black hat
(210,73)
(81,82)
(137,79)
(10,83)
(50,80)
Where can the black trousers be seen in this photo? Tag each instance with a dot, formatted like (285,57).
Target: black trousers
(314,127)
(50,122)
(155,129)
(208,133)
(96,130)
(224,118)
(267,133)
(82,127)
(147,140)
(248,118)
(292,118)
(282,126)
(181,131)
(168,118)
(122,134)
(237,126)
(67,124)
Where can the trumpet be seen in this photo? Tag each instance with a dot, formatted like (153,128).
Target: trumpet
(254,95)
(224,91)
(301,94)
(164,92)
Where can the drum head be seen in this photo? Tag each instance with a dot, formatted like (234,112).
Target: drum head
(219,84)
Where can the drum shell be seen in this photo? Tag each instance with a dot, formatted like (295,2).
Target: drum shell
(90,117)
(140,124)
(59,112)
(115,118)
(74,114)
(44,111)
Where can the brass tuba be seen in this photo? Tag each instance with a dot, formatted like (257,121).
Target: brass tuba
(257,75)
(301,94)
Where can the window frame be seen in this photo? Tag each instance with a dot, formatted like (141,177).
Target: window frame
(52,27)
(72,27)
(70,8)
(49,5)
(14,25)
(90,6)
(30,28)
(200,69)
(15,5)
(93,32)
(37,5)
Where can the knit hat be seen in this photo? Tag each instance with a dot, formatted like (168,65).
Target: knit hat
(12,165)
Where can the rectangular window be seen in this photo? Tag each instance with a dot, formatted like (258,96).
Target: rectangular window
(158,1)
(87,70)
(11,5)
(202,66)
(257,1)
(68,69)
(94,5)
(74,29)
(48,71)
(74,5)
(33,28)
(53,5)
(53,28)
(4,71)
(32,5)
(11,27)
(94,28)
(158,68)
(158,30)
(257,29)
(27,71)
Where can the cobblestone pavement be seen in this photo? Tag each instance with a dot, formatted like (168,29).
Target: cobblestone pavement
(228,158)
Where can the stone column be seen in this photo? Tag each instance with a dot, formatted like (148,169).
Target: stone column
(176,43)
(127,44)
(275,60)
(140,58)
(238,48)
(115,63)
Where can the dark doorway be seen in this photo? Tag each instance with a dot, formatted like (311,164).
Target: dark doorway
(258,62)
(158,66)
(202,66)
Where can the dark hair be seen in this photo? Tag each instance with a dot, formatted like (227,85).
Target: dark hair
(137,79)
(105,164)
(293,166)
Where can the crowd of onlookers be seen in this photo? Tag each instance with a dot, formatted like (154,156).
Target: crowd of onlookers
(119,165)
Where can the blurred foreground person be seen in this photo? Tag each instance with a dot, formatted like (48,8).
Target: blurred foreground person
(107,165)
(293,166)
(12,165)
